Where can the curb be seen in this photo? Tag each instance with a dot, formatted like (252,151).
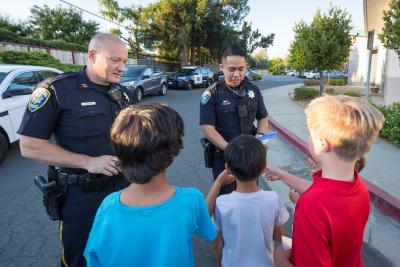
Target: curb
(386,203)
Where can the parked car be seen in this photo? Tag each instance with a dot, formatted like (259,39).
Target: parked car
(16,85)
(292,73)
(250,74)
(311,75)
(335,74)
(144,80)
(190,77)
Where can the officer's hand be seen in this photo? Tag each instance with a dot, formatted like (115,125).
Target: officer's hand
(225,178)
(107,165)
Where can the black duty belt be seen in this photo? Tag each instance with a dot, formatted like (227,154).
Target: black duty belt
(73,179)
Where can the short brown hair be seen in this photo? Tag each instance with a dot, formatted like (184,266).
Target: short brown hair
(146,139)
(350,124)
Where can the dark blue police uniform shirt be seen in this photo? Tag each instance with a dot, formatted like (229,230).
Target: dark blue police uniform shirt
(221,109)
(78,112)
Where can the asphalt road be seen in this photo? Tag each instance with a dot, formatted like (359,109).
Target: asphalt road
(29,238)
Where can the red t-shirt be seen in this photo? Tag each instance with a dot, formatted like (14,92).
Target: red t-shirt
(329,222)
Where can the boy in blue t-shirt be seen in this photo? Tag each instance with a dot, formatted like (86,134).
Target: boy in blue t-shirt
(149,223)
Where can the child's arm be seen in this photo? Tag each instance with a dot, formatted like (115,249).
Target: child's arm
(298,184)
(223,178)
(278,233)
(282,257)
(218,245)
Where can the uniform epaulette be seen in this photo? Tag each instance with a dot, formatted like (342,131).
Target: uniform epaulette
(47,82)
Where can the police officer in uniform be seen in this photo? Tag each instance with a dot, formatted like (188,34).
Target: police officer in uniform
(79,109)
(229,108)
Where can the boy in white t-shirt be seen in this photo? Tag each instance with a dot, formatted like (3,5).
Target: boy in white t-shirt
(248,219)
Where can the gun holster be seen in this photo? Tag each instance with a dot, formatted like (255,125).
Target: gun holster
(209,152)
(53,196)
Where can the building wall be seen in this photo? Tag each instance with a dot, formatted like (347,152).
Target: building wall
(392,78)
(358,63)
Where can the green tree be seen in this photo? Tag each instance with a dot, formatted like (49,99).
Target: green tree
(189,30)
(276,66)
(7,23)
(324,44)
(129,16)
(261,59)
(60,24)
(390,35)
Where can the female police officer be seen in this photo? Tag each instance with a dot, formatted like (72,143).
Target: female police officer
(229,108)
(79,108)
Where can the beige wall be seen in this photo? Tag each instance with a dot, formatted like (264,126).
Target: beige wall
(358,62)
(392,78)
(373,12)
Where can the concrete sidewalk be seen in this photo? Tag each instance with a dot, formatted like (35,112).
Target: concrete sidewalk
(381,173)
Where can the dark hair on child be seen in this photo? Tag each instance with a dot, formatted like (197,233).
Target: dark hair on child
(245,155)
(146,138)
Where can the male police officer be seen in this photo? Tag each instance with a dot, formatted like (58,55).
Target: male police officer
(229,108)
(79,109)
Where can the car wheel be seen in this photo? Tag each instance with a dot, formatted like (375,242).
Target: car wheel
(3,147)
(163,90)
(138,94)
(189,86)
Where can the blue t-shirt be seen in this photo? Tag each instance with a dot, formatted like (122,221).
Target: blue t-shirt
(159,235)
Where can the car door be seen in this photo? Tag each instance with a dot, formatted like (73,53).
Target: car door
(148,83)
(197,77)
(157,74)
(16,104)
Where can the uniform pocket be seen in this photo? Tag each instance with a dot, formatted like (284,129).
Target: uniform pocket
(92,121)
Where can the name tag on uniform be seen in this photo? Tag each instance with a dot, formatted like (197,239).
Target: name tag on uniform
(83,104)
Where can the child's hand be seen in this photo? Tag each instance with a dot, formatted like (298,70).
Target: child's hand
(225,178)
(294,196)
(282,257)
(271,173)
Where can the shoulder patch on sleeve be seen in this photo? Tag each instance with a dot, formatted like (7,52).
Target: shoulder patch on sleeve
(205,97)
(38,99)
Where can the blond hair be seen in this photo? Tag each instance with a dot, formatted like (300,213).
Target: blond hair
(350,124)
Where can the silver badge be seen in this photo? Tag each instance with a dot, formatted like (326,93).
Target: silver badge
(250,94)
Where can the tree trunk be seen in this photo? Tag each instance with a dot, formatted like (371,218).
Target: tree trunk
(321,82)
(193,54)
(183,55)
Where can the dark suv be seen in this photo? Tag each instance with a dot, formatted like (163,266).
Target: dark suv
(189,77)
(143,80)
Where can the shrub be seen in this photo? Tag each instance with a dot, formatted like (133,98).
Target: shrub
(36,58)
(339,82)
(391,127)
(351,93)
(257,77)
(330,91)
(304,93)
(310,82)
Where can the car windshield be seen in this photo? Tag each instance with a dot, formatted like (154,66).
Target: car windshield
(185,71)
(132,72)
(2,76)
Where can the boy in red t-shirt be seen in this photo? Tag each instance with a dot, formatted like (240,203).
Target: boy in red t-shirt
(333,210)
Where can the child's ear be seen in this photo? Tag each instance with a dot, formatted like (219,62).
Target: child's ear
(325,145)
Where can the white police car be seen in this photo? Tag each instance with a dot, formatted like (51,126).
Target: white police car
(16,85)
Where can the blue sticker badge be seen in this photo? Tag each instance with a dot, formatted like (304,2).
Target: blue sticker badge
(205,97)
(38,99)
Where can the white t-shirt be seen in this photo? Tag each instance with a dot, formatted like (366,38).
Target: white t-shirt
(247,221)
